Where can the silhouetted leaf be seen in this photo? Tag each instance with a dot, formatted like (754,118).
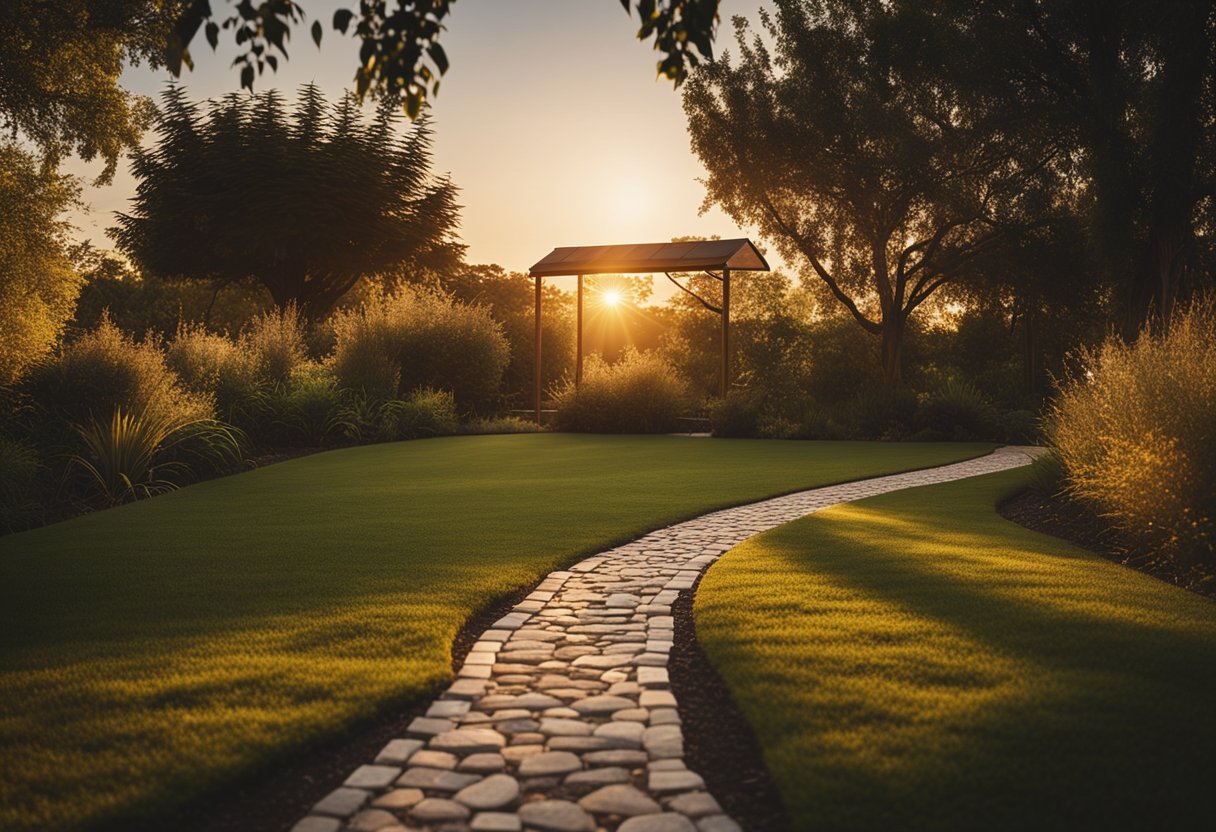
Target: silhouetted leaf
(316,33)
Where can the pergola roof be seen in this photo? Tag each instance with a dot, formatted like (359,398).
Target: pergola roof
(647,258)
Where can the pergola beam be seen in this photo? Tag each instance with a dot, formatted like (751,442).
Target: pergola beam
(646,258)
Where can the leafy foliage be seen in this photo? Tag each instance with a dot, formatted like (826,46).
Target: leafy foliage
(59,70)
(332,198)
(38,282)
(400,57)
(641,393)
(1135,432)
(21,472)
(140,306)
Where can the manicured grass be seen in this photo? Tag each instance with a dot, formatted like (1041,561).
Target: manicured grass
(914,661)
(151,652)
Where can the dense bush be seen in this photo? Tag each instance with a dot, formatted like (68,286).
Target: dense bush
(276,343)
(500,424)
(419,339)
(106,369)
(20,482)
(956,411)
(303,410)
(217,366)
(422,413)
(641,393)
(1135,430)
(735,415)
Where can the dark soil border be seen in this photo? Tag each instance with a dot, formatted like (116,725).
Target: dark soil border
(719,743)
(1078,524)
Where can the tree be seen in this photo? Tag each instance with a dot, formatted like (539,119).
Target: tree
(883,181)
(38,283)
(400,57)
(332,197)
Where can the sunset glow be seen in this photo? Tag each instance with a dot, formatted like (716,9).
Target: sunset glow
(610,298)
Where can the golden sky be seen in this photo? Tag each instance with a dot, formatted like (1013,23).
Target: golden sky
(551,121)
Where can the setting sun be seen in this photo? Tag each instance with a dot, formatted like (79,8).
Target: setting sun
(611,298)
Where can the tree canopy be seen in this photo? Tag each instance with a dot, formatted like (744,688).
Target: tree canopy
(306,202)
(1130,87)
(881,179)
(59,69)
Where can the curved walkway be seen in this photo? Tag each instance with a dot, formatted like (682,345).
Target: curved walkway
(561,718)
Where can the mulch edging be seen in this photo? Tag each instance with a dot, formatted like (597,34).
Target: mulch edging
(1081,526)
(719,743)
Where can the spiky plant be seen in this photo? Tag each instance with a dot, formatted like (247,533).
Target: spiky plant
(138,454)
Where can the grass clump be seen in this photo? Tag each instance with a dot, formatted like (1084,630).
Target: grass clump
(641,393)
(168,646)
(1135,431)
(914,661)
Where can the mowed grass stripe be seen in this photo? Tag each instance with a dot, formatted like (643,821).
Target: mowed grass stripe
(915,661)
(155,651)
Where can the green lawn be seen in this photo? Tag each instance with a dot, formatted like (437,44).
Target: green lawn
(914,661)
(151,652)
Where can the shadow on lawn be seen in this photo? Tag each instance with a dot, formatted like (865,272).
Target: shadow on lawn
(1016,688)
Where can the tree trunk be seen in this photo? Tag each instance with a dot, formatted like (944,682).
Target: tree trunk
(892,350)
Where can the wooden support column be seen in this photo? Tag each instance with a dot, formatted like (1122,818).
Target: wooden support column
(536,365)
(578,356)
(725,332)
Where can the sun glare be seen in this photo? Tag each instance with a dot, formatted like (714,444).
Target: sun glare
(611,298)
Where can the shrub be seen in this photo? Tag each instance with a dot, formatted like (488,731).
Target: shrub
(419,339)
(641,393)
(275,342)
(306,409)
(20,473)
(957,411)
(1135,431)
(501,424)
(422,413)
(876,413)
(105,370)
(735,415)
(216,365)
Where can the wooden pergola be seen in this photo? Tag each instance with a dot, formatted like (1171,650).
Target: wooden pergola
(716,258)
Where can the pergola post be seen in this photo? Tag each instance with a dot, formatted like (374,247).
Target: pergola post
(536,364)
(578,355)
(725,331)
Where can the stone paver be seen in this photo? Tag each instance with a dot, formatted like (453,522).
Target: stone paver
(562,718)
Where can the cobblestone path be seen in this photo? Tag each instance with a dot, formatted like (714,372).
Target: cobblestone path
(561,719)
